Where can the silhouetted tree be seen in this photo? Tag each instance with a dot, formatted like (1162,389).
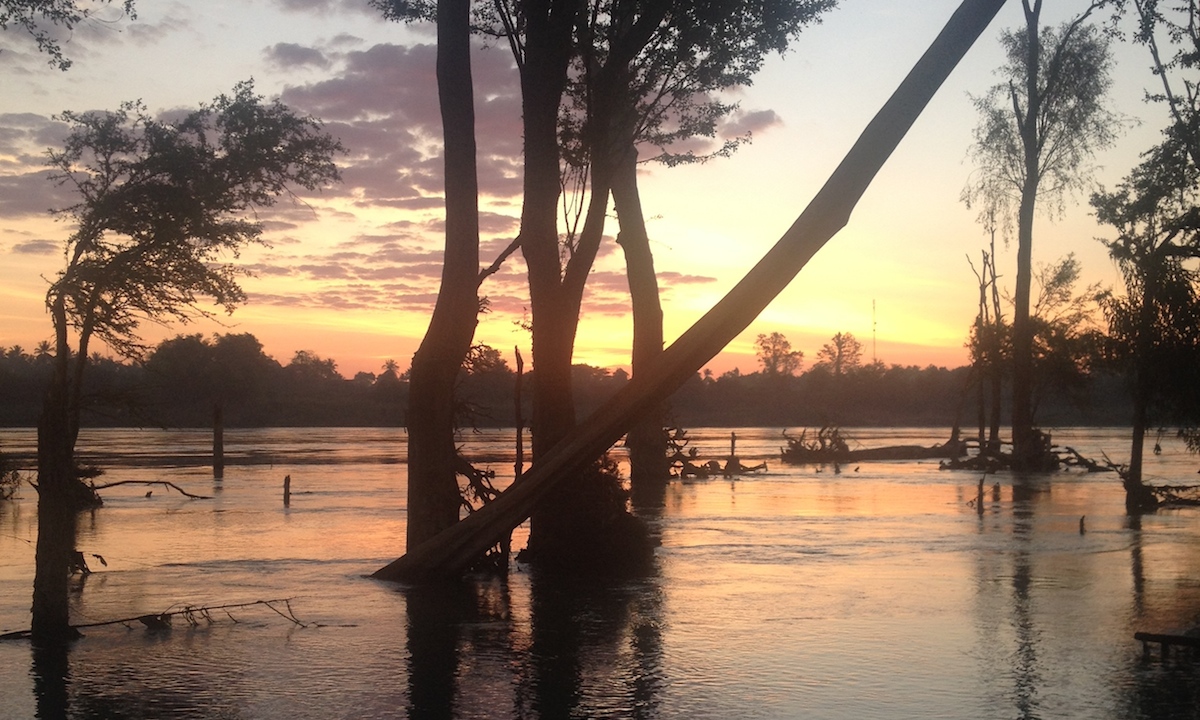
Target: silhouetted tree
(776,355)
(990,347)
(1038,129)
(1169,32)
(160,204)
(841,354)
(1154,325)
(1065,335)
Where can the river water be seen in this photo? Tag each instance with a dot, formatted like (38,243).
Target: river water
(880,591)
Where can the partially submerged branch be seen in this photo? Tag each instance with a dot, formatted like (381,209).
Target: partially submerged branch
(194,616)
(172,485)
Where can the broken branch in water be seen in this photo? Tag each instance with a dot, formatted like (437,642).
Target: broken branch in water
(183,492)
(193,615)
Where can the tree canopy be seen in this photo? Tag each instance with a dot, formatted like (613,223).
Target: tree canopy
(163,206)
(39,18)
(1051,107)
(776,355)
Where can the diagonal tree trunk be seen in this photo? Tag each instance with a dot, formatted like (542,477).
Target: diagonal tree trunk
(453,550)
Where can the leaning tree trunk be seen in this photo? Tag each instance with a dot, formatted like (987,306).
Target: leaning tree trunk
(449,554)
(433,497)
(646,440)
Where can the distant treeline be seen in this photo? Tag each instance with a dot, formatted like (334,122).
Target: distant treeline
(184,380)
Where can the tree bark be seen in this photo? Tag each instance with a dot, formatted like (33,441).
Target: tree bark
(1138,498)
(56,508)
(543,79)
(646,440)
(433,497)
(450,553)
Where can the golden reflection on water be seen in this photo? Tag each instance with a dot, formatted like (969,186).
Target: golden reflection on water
(879,590)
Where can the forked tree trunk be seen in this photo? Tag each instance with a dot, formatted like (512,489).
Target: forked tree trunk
(554,309)
(433,497)
(450,553)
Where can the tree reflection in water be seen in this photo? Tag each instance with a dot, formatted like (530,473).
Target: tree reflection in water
(587,648)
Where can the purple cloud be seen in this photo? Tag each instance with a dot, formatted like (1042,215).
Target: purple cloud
(37,247)
(291,55)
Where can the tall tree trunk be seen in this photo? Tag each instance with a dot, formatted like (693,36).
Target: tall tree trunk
(1022,379)
(646,440)
(1024,447)
(997,382)
(1138,497)
(56,500)
(450,553)
(1137,447)
(433,497)
(549,24)
(981,410)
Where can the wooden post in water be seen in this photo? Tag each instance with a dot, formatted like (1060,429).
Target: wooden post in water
(287,490)
(218,440)
(451,551)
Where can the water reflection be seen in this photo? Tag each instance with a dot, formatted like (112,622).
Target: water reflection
(436,613)
(51,677)
(1134,525)
(1026,673)
(585,648)
(871,594)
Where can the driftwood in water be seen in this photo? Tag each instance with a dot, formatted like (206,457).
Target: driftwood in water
(688,465)
(192,614)
(830,447)
(1073,458)
(453,550)
(946,451)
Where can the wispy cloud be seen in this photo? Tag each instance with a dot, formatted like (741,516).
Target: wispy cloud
(37,247)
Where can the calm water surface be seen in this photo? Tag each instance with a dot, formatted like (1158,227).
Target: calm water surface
(877,592)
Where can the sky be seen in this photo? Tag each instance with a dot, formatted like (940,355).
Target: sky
(351,272)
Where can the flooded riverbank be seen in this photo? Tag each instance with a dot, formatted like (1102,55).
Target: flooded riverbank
(880,591)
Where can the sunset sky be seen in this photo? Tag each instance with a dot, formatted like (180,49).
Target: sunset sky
(352,274)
